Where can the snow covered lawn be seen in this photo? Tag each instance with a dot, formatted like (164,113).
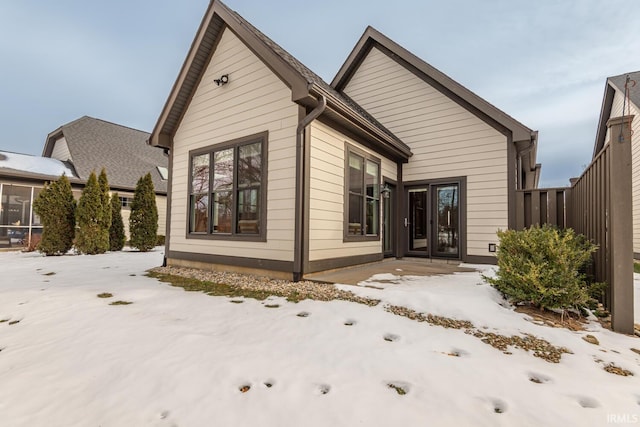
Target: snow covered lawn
(176,358)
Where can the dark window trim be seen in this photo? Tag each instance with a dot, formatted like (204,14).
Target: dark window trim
(345,228)
(262,137)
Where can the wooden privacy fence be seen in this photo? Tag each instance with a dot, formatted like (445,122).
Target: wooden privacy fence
(598,205)
(542,206)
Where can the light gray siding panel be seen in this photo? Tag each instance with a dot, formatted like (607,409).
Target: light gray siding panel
(326,197)
(255,100)
(446,139)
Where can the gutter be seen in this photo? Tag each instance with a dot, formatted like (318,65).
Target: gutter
(299,247)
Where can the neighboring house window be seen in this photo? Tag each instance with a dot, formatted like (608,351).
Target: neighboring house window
(227,196)
(363,195)
(125,202)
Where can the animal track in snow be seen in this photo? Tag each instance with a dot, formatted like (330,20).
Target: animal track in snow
(269,383)
(537,378)
(303,314)
(400,387)
(391,337)
(349,322)
(499,407)
(324,388)
(244,388)
(588,402)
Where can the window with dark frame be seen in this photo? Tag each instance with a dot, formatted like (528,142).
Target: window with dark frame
(363,204)
(226,189)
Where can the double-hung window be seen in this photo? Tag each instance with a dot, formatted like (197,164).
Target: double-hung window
(363,196)
(227,193)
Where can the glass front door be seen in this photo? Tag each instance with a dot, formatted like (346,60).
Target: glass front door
(445,219)
(432,220)
(417,221)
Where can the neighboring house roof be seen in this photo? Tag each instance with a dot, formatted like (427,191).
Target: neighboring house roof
(122,151)
(305,85)
(34,165)
(372,37)
(615,84)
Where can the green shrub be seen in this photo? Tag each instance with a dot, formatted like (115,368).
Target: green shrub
(91,237)
(544,266)
(116,231)
(103,182)
(160,240)
(143,221)
(57,210)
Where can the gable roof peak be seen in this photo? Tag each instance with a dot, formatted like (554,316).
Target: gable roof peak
(306,86)
(372,37)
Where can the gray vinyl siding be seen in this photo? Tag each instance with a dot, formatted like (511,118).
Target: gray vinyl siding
(255,100)
(327,195)
(616,111)
(446,139)
(61,150)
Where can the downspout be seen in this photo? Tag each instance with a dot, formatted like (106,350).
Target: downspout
(520,154)
(301,155)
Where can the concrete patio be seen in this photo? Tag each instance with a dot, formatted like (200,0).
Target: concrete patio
(399,267)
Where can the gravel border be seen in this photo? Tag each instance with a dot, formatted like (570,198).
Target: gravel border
(296,290)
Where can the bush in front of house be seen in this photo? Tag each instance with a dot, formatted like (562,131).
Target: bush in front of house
(91,237)
(56,208)
(143,220)
(116,230)
(543,266)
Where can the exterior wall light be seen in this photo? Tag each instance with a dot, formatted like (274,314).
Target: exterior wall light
(385,192)
(223,80)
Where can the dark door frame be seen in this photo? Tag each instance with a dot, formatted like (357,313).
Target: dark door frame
(394,214)
(431,184)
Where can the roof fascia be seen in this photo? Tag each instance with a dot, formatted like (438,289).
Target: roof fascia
(50,141)
(605,113)
(298,84)
(372,37)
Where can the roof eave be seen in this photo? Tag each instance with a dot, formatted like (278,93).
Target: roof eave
(396,147)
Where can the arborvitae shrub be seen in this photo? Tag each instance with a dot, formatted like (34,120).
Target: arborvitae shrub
(91,238)
(116,231)
(57,210)
(103,182)
(544,266)
(143,221)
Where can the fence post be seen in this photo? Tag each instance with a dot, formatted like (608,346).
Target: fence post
(621,223)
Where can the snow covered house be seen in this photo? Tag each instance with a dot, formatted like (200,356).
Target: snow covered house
(272,170)
(76,149)
(622,98)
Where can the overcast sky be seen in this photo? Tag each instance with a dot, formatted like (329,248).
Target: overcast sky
(543,62)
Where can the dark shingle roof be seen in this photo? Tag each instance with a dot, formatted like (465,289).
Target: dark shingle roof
(634,91)
(316,80)
(122,151)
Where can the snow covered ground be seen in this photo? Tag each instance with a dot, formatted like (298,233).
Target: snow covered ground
(173,358)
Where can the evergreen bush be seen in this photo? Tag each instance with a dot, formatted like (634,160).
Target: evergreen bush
(116,231)
(103,182)
(544,266)
(57,209)
(143,221)
(92,237)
